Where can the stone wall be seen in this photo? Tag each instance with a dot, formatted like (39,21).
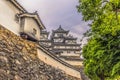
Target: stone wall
(18,60)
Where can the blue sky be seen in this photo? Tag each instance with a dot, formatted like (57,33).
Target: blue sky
(58,12)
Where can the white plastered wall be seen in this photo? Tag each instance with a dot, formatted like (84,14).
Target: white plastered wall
(75,63)
(30,23)
(7,16)
(69,54)
(51,61)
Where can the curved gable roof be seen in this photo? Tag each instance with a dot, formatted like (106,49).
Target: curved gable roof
(60,30)
(25,13)
(36,17)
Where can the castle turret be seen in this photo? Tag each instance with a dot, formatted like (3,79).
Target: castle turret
(58,35)
(63,45)
(44,40)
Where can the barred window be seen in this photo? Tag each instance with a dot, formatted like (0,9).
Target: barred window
(34,31)
(17,18)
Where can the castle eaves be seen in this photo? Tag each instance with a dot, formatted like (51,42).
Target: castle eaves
(36,17)
(17,5)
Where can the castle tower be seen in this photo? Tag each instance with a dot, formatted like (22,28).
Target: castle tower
(65,46)
(57,38)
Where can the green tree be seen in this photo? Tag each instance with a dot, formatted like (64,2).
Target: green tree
(102,52)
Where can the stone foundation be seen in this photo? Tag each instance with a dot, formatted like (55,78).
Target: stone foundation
(18,60)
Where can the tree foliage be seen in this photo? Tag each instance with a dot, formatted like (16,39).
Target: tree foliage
(102,53)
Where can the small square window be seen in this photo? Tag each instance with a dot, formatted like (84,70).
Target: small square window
(34,31)
(68,51)
(17,18)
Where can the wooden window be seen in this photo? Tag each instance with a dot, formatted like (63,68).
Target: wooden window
(68,51)
(17,18)
(34,31)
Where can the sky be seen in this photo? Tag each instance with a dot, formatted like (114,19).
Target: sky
(58,12)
